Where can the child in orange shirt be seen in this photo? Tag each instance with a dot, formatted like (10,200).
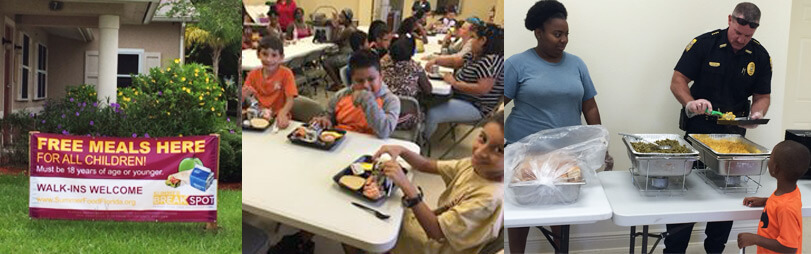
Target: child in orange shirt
(781,225)
(367,106)
(273,85)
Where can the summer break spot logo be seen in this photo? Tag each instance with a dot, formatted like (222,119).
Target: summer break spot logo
(191,172)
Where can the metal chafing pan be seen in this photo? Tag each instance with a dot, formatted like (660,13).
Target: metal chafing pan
(534,193)
(661,164)
(732,164)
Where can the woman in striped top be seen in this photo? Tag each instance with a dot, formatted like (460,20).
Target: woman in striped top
(478,83)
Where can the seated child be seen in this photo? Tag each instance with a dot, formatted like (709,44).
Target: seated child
(367,106)
(469,212)
(781,225)
(273,85)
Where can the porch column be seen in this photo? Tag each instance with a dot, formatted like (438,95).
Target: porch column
(108,57)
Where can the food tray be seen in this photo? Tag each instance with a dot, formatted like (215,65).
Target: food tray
(661,164)
(742,121)
(532,192)
(388,187)
(732,164)
(251,128)
(318,144)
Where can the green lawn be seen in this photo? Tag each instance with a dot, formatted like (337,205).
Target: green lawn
(20,234)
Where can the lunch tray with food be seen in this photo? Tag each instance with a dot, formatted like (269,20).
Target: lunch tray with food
(730,154)
(324,139)
(649,160)
(363,179)
(257,124)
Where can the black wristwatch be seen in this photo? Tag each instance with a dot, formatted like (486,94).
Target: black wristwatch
(411,202)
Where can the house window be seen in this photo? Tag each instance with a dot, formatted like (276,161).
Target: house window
(129,63)
(42,71)
(25,68)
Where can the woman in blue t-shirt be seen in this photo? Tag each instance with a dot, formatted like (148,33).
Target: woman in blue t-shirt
(550,88)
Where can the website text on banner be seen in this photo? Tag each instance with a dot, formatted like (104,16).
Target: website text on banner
(127,179)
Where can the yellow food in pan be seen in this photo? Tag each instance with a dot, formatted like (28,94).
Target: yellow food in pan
(726,146)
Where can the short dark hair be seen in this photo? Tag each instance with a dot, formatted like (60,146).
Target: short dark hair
(543,11)
(402,49)
(271,42)
(362,59)
(407,26)
(377,30)
(749,11)
(497,118)
(273,11)
(792,158)
(356,39)
(419,14)
(495,39)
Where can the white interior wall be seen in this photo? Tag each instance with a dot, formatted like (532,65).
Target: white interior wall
(630,48)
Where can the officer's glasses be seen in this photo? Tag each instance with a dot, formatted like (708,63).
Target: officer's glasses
(743,22)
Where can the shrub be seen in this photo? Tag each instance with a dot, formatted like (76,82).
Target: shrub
(176,101)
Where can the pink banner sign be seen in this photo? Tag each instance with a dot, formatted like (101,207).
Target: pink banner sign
(124,179)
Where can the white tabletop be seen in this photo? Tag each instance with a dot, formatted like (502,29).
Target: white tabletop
(302,47)
(700,203)
(592,206)
(438,87)
(293,185)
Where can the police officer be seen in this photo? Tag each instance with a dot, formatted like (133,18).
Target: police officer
(727,67)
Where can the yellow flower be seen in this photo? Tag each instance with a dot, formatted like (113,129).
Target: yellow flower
(201,97)
(153,81)
(183,88)
(168,114)
(177,61)
(119,94)
(206,79)
(188,91)
(181,135)
(195,74)
(202,103)
(216,99)
(212,108)
(182,78)
(219,114)
(168,68)
(136,92)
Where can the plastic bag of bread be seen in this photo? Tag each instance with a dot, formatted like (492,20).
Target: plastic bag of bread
(550,166)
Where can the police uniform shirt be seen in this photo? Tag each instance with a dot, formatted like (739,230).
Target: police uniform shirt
(723,77)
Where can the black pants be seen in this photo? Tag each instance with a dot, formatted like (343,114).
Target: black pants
(679,236)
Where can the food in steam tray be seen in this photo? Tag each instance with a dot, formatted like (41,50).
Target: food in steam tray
(557,166)
(644,147)
(725,145)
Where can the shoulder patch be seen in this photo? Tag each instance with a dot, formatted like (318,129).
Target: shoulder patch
(690,45)
(722,46)
(714,33)
(755,41)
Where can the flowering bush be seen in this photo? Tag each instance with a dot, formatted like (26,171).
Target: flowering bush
(176,101)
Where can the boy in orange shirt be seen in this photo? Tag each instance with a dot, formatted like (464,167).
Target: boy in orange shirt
(273,85)
(781,225)
(367,106)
